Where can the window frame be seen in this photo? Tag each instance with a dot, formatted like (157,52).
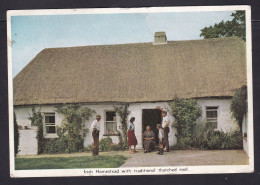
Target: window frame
(45,134)
(105,124)
(213,120)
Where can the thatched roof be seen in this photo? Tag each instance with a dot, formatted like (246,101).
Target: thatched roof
(138,72)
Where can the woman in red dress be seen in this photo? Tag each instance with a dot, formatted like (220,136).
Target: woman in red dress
(131,135)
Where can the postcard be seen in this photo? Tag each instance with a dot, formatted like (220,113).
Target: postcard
(137,91)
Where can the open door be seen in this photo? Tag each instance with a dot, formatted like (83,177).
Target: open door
(152,117)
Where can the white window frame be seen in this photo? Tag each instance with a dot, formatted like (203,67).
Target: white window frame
(49,135)
(212,120)
(105,124)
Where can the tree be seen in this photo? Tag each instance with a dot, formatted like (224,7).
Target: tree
(235,27)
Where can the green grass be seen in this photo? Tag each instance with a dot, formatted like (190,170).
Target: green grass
(69,162)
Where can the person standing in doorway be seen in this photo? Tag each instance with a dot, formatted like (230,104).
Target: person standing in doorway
(161,140)
(95,127)
(165,127)
(131,135)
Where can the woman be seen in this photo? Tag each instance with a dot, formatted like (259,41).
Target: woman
(131,135)
(148,139)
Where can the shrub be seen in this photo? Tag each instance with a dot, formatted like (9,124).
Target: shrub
(123,112)
(71,133)
(206,138)
(89,148)
(117,147)
(16,136)
(185,112)
(105,144)
(36,120)
(238,106)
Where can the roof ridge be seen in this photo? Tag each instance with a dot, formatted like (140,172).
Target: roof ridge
(149,43)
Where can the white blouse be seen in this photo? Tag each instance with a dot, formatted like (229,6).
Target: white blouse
(131,126)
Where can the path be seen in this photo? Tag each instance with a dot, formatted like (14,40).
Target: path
(188,158)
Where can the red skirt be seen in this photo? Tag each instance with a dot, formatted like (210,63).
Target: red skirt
(131,138)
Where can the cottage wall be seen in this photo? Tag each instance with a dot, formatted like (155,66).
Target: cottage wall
(225,122)
(245,133)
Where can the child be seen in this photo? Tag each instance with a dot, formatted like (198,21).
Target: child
(160,136)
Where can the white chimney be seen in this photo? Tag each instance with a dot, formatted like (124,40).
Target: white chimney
(160,38)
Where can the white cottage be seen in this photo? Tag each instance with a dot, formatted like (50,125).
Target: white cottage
(145,75)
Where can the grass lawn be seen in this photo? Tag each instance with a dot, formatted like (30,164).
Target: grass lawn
(69,162)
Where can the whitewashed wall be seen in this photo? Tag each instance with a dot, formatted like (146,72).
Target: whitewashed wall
(225,122)
(136,111)
(244,130)
(28,143)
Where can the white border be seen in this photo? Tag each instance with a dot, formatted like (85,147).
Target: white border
(191,169)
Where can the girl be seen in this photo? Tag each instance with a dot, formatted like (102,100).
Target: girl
(131,135)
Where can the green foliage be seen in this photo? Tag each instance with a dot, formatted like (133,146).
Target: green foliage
(37,120)
(194,133)
(105,144)
(16,136)
(238,105)
(70,162)
(55,146)
(206,138)
(235,27)
(89,148)
(123,112)
(71,133)
(185,112)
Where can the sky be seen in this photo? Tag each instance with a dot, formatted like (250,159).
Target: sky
(32,33)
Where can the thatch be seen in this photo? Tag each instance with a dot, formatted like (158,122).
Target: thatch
(138,72)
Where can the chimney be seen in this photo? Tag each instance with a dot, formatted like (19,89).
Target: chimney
(160,38)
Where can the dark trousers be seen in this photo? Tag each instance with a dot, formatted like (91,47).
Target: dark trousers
(95,135)
(166,131)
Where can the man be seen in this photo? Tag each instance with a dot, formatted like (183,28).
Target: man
(166,129)
(95,127)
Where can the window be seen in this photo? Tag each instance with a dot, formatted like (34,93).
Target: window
(111,125)
(212,116)
(49,123)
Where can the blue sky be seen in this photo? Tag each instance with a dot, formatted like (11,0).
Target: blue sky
(31,34)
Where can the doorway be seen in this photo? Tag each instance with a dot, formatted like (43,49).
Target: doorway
(152,117)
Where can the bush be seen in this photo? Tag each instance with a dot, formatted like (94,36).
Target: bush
(89,148)
(71,133)
(185,112)
(123,112)
(206,138)
(36,119)
(117,147)
(105,144)
(16,136)
(238,105)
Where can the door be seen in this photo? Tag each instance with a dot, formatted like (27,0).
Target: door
(152,117)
